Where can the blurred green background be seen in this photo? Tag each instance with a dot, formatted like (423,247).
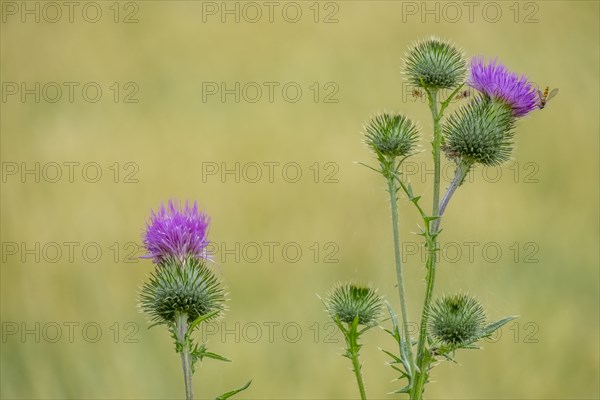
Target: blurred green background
(70,323)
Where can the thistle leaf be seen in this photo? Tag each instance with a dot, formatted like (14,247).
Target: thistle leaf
(494,326)
(227,395)
(215,356)
(200,319)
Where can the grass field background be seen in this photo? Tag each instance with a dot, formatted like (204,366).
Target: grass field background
(87,339)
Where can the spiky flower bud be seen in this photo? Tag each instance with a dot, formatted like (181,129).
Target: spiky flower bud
(187,287)
(480,132)
(434,64)
(347,301)
(456,320)
(391,135)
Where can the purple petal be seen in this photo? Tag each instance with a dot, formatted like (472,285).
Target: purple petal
(495,80)
(176,232)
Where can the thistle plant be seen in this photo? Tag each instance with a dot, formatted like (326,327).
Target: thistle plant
(182,292)
(355,309)
(480,132)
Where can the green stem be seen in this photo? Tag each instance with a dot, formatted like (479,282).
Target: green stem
(459,176)
(353,349)
(422,361)
(431,236)
(412,199)
(437,143)
(181,328)
(392,189)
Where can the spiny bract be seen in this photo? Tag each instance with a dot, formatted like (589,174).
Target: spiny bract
(480,132)
(188,287)
(348,301)
(435,64)
(391,135)
(456,320)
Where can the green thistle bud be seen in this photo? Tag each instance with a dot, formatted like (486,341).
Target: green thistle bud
(348,301)
(174,287)
(456,320)
(434,64)
(480,132)
(391,135)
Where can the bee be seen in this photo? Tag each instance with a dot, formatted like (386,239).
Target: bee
(463,94)
(545,96)
(417,93)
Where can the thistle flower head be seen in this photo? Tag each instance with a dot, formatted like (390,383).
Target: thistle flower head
(176,232)
(348,301)
(480,132)
(188,287)
(434,64)
(391,135)
(456,320)
(496,81)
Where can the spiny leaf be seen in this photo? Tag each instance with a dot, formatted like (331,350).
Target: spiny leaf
(200,319)
(215,356)
(396,359)
(494,326)
(405,389)
(227,395)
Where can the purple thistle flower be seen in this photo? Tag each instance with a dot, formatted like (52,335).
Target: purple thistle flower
(496,81)
(173,232)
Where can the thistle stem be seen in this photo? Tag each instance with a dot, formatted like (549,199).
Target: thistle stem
(423,362)
(459,175)
(392,189)
(422,359)
(353,350)
(181,328)
(437,143)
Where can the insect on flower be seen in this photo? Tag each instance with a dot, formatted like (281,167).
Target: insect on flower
(416,93)
(463,94)
(545,96)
